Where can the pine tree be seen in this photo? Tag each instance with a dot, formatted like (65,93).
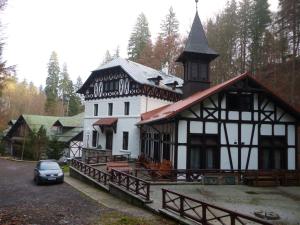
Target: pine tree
(260,19)
(140,38)
(170,36)
(65,89)
(52,83)
(244,25)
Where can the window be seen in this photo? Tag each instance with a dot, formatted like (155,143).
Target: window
(125,140)
(198,71)
(239,102)
(94,140)
(156,149)
(166,146)
(126,108)
(273,152)
(204,152)
(95,109)
(110,109)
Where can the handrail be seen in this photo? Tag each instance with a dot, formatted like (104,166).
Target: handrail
(202,212)
(96,174)
(131,183)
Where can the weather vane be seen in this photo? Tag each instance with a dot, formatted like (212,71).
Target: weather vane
(196,5)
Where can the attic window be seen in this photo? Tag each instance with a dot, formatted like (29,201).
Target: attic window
(239,102)
(155,79)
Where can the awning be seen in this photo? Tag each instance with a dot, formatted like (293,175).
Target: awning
(107,122)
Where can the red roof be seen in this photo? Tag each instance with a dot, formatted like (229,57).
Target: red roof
(169,111)
(106,121)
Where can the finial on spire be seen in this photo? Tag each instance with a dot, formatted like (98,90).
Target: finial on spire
(196,5)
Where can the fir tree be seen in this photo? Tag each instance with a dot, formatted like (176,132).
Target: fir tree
(52,83)
(170,37)
(140,38)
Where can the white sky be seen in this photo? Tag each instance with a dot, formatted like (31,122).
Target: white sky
(81,31)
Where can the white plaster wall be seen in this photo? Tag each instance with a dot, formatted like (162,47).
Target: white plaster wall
(182,131)
(196,127)
(291,159)
(149,103)
(279,129)
(181,157)
(246,132)
(234,157)
(211,128)
(74,151)
(224,159)
(291,134)
(266,129)
(125,123)
(253,160)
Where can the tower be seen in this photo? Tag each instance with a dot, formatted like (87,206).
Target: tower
(196,57)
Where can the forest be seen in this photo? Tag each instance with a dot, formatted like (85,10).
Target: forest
(246,34)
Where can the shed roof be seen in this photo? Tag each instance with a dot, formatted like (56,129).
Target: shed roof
(70,121)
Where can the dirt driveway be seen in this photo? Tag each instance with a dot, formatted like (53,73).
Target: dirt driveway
(22,202)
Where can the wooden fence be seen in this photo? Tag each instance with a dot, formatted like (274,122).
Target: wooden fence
(131,183)
(96,174)
(204,213)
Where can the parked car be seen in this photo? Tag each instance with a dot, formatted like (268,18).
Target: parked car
(48,171)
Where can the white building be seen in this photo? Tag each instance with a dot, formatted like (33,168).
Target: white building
(116,95)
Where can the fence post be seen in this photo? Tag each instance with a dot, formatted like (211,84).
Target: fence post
(232,219)
(137,186)
(127,182)
(119,179)
(204,207)
(181,206)
(148,191)
(163,198)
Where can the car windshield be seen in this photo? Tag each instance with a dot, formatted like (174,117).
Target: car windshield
(49,166)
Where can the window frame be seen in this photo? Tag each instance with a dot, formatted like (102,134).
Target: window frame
(125,139)
(239,103)
(126,108)
(96,109)
(110,109)
(94,138)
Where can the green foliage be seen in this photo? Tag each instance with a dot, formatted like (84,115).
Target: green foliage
(52,83)
(55,149)
(36,144)
(139,39)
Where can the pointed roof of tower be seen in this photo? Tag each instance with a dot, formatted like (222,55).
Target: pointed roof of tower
(197,43)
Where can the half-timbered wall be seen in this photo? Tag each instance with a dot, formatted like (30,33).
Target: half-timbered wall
(239,132)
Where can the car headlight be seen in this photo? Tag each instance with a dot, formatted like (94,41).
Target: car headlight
(60,173)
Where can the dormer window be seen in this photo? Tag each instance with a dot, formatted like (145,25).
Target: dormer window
(156,80)
(172,85)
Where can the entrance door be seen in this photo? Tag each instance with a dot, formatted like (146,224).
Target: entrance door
(273,152)
(109,140)
(204,152)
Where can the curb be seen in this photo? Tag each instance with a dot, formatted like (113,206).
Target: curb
(17,160)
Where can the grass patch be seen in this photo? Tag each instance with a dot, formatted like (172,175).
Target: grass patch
(117,218)
(65,168)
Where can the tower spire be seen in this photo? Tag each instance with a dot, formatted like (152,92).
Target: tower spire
(196,5)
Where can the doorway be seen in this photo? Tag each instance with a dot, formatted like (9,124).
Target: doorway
(109,140)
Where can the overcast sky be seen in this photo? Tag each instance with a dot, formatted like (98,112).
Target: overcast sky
(81,31)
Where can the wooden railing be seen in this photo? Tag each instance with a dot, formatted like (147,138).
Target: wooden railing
(131,183)
(204,213)
(96,174)
(106,158)
(186,175)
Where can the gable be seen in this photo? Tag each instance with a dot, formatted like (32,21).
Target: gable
(240,84)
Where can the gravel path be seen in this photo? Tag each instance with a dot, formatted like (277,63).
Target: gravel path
(22,202)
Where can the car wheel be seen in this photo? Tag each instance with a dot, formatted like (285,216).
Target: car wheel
(37,181)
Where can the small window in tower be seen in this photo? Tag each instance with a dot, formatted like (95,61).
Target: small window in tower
(203,73)
(239,102)
(194,71)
